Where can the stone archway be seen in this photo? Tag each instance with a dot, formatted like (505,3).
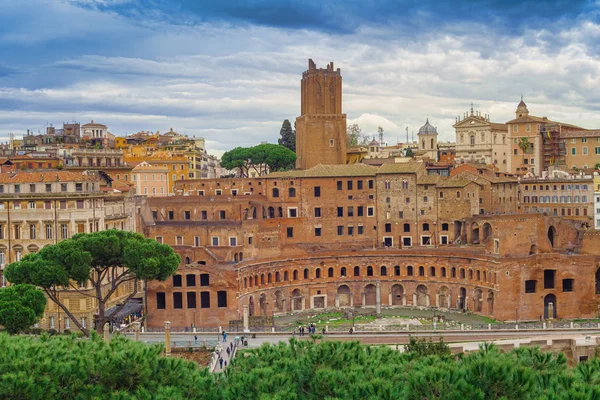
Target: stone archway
(397,295)
(278,300)
(370,295)
(444,297)
(477,300)
(422,297)
(251,306)
(297,300)
(344,296)
(462,297)
(490,302)
(487,232)
(474,233)
(262,302)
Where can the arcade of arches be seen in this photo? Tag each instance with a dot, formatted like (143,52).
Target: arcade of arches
(483,285)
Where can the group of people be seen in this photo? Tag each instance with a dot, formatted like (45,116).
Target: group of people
(229,349)
(311,329)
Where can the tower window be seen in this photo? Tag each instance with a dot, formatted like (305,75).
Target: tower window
(331,142)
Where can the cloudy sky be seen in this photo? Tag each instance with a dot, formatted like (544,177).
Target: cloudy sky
(230,70)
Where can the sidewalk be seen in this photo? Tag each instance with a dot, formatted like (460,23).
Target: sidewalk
(223,354)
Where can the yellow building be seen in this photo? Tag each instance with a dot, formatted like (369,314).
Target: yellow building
(121,143)
(177,165)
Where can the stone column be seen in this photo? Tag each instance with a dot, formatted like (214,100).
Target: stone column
(550,311)
(363,297)
(390,298)
(136,330)
(167,339)
(246,317)
(302,305)
(283,304)
(106,332)
(292,304)
(351,299)
(414,299)
(427,300)
(437,299)
(449,302)
(337,301)
(403,299)
(378,299)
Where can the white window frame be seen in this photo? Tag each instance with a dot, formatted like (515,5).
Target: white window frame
(370,211)
(159,239)
(430,241)
(442,237)
(233,239)
(289,212)
(218,192)
(406,237)
(212,241)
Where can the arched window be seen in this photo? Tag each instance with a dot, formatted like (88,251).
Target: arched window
(277,276)
(472,140)
(318,273)
(269,278)
(478,274)
(187,260)
(443,272)
(431,271)
(245,282)
(343,271)
(369,271)
(330,272)
(431,143)
(295,275)
(292,192)
(286,276)
(275,192)
(426,227)
(462,273)
(271,212)
(421,271)
(383,271)
(305,273)
(470,274)
(356,271)
(409,270)
(404,184)
(397,270)
(262,279)
(453,272)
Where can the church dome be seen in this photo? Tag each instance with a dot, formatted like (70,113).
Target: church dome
(522,108)
(428,129)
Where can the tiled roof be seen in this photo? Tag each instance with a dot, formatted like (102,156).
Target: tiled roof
(324,171)
(429,180)
(401,168)
(531,118)
(46,176)
(497,126)
(581,133)
(453,183)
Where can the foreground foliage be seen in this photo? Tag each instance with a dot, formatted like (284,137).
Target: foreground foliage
(63,367)
(21,306)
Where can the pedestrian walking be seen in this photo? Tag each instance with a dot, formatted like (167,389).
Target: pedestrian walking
(221,362)
(323,331)
(195,339)
(225,364)
(228,352)
(224,336)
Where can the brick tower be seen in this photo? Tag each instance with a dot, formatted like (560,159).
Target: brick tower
(321,127)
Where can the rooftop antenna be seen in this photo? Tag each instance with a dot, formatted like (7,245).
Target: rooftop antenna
(406,134)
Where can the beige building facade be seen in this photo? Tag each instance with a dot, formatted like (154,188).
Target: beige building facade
(42,208)
(150,180)
(478,140)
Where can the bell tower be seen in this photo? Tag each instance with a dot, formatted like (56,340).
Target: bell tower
(321,127)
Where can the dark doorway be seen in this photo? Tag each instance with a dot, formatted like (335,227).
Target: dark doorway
(550,298)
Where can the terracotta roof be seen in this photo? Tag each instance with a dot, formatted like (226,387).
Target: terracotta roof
(401,168)
(531,118)
(46,176)
(323,171)
(453,183)
(581,133)
(428,180)
(497,126)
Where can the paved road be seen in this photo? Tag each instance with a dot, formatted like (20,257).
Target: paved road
(387,338)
